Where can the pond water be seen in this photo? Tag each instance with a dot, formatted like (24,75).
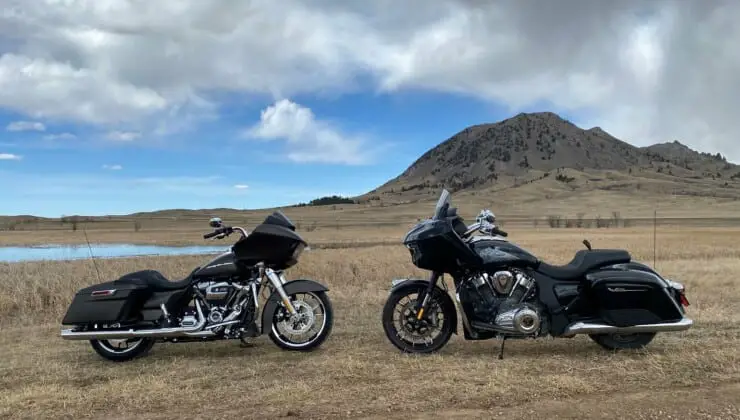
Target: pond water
(73,252)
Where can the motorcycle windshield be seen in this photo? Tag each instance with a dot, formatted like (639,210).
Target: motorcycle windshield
(444,198)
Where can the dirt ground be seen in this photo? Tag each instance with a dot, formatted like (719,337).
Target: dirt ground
(357,373)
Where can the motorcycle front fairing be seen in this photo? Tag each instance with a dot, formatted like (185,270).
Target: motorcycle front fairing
(435,244)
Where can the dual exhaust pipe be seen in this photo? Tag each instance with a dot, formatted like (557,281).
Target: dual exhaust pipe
(194,331)
(589,328)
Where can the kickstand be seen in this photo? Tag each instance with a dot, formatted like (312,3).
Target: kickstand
(501,352)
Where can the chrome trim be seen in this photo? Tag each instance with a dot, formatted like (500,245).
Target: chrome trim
(241,230)
(675,285)
(221,324)
(70,334)
(253,288)
(275,280)
(164,310)
(623,290)
(108,292)
(590,328)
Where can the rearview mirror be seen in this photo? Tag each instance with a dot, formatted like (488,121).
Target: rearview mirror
(215,222)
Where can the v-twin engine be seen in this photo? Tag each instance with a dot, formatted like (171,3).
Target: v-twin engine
(502,299)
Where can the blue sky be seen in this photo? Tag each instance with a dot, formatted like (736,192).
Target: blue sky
(92,174)
(117,107)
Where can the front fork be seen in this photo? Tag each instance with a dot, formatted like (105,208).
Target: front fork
(421,307)
(277,281)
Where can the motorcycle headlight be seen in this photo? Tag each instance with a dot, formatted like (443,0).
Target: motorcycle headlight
(298,251)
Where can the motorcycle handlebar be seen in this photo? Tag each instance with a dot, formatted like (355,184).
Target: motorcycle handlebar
(484,226)
(500,232)
(217,232)
(226,230)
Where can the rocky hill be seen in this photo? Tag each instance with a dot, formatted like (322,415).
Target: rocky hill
(533,146)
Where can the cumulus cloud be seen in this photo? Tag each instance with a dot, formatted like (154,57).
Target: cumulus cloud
(308,139)
(241,186)
(645,71)
(25,126)
(113,167)
(10,156)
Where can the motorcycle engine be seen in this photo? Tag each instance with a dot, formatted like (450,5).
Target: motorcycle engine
(217,295)
(503,299)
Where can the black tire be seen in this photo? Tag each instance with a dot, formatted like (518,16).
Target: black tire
(438,301)
(284,343)
(623,341)
(107,350)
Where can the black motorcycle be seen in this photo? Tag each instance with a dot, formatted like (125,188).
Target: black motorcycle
(123,318)
(503,291)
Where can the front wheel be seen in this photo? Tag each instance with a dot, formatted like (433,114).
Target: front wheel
(410,334)
(623,341)
(122,350)
(309,327)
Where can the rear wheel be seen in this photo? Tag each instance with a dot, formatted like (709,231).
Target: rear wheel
(623,341)
(410,334)
(122,350)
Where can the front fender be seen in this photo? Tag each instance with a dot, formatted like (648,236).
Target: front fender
(408,283)
(291,287)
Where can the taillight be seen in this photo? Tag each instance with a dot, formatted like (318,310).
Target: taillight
(682,299)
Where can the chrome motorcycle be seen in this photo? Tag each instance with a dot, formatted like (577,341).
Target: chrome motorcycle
(124,318)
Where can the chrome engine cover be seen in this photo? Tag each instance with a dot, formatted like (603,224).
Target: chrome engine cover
(502,282)
(523,319)
(215,290)
(189,321)
(216,315)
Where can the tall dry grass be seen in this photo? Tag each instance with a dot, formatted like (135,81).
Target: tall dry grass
(357,373)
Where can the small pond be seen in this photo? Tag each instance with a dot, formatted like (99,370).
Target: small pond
(73,252)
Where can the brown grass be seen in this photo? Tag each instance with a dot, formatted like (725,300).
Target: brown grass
(358,374)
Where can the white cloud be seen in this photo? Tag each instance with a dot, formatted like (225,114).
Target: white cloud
(25,126)
(241,186)
(645,71)
(123,135)
(113,167)
(10,156)
(308,139)
(61,136)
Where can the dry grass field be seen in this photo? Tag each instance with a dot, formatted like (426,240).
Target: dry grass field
(358,374)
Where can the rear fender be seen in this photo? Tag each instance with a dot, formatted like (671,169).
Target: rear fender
(291,287)
(408,283)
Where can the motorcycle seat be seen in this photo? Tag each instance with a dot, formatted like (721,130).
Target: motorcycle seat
(583,262)
(154,280)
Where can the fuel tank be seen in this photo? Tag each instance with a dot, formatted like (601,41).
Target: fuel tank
(496,252)
(221,266)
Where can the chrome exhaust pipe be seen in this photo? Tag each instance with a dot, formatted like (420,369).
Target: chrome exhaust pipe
(70,334)
(590,328)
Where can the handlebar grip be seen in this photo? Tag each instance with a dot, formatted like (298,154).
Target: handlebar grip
(501,232)
(212,234)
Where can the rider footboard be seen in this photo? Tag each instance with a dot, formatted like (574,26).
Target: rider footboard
(625,298)
(109,302)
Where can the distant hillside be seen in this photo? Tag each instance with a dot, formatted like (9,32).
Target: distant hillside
(530,147)
(326,201)
(532,163)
